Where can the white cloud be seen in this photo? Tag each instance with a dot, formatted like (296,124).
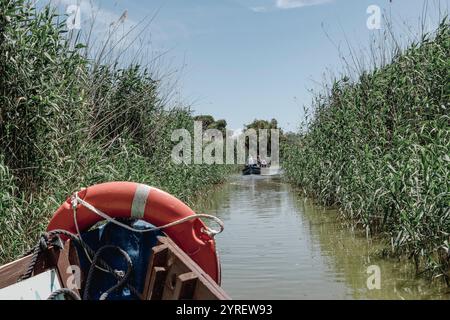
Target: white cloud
(288,4)
(104,18)
(258,9)
(111,25)
(291,4)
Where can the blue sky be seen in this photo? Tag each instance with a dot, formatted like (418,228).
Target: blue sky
(247,59)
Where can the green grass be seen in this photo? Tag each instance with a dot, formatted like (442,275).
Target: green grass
(379,149)
(67,122)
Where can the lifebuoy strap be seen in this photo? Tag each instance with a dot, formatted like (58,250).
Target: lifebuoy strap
(139,201)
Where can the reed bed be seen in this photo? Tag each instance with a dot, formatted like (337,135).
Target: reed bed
(379,149)
(68,121)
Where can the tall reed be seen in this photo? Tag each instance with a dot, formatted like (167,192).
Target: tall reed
(68,120)
(379,149)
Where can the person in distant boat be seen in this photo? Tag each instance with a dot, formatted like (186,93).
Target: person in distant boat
(251,161)
(258,161)
(263,163)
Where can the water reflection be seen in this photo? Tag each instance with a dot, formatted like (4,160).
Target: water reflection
(276,245)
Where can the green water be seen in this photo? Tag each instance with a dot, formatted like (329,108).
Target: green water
(277,245)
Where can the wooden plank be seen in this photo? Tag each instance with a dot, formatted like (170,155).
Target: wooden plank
(174,268)
(11,272)
(185,286)
(158,259)
(53,257)
(68,267)
(208,289)
(159,256)
(203,292)
(156,284)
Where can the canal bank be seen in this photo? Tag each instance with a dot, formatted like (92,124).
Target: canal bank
(277,245)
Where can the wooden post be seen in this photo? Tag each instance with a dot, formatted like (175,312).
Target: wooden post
(158,259)
(185,287)
(66,260)
(156,284)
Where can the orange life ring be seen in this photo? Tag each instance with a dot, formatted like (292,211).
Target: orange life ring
(128,199)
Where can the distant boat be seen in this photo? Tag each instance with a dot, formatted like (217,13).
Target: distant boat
(251,169)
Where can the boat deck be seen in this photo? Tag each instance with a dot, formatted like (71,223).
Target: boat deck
(171,273)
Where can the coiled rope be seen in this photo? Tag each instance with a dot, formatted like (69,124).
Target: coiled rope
(46,240)
(119,284)
(66,292)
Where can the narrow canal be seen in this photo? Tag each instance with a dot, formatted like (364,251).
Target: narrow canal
(277,245)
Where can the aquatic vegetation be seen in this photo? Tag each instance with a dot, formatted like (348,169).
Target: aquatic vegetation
(67,121)
(379,149)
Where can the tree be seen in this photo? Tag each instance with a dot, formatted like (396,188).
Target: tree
(266,125)
(207,120)
(220,125)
